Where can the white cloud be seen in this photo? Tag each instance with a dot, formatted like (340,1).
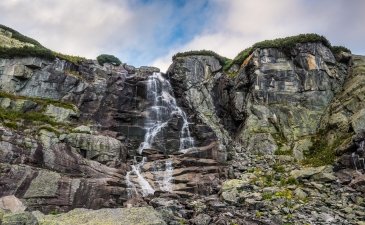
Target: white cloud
(242,23)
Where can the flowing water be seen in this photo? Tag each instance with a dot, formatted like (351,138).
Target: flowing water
(146,188)
(162,109)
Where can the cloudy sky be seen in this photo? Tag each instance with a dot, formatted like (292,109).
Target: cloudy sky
(149,32)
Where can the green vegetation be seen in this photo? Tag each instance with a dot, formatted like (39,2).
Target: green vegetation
(284,44)
(70,58)
(323,153)
(104,58)
(26,51)
(288,181)
(15,116)
(339,49)
(40,101)
(18,36)
(50,129)
(222,60)
(278,168)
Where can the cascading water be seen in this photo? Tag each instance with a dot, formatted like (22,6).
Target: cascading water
(163,171)
(143,183)
(163,108)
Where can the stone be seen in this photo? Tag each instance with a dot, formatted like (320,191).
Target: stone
(60,114)
(97,147)
(130,216)
(232,184)
(324,177)
(82,129)
(306,172)
(23,218)
(300,194)
(12,203)
(44,185)
(201,219)
(230,196)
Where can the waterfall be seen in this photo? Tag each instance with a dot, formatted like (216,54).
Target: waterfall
(167,179)
(164,107)
(163,174)
(146,188)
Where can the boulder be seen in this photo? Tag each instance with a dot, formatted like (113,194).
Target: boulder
(97,147)
(12,203)
(201,219)
(130,216)
(23,218)
(60,114)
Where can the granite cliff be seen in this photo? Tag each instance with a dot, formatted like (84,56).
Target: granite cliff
(275,136)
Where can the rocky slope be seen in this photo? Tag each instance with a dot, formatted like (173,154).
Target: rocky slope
(81,135)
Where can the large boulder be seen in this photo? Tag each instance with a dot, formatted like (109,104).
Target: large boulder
(130,216)
(12,203)
(97,147)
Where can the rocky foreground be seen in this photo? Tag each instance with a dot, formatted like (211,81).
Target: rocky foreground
(276,139)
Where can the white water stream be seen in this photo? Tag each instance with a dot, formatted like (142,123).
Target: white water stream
(163,108)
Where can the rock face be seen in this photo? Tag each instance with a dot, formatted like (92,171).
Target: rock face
(89,136)
(81,128)
(283,97)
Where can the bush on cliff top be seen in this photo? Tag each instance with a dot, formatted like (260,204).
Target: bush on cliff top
(284,44)
(26,51)
(18,36)
(222,60)
(70,58)
(104,58)
(339,49)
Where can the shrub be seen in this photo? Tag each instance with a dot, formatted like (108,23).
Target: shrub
(339,49)
(104,58)
(70,58)
(41,52)
(222,60)
(18,36)
(284,44)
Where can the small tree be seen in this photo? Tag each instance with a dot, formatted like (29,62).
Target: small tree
(104,58)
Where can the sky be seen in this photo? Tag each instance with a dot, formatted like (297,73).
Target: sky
(149,32)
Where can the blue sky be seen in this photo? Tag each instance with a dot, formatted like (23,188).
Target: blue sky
(149,32)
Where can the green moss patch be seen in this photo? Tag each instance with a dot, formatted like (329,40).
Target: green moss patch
(40,101)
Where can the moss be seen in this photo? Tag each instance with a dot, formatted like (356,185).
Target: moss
(278,168)
(258,214)
(282,151)
(40,101)
(288,181)
(321,152)
(50,129)
(267,196)
(12,125)
(15,116)
(286,194)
